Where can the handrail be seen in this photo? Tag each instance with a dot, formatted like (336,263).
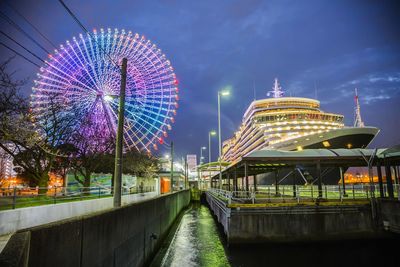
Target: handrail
(18,197)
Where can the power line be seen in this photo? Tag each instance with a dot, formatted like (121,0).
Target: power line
(15,25)
(27,59)
(33,26)
(23,47)
(86,31)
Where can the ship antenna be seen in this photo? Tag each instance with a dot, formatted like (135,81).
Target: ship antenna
(358,121)
(276,90)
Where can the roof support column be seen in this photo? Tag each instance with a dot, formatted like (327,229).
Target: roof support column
(294,182)
(255,182)
(276,183)
(319,179)
(389,180)
(380,181)
(246,174)
(229,181)
(235,181)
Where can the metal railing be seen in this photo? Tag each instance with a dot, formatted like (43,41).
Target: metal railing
(300,193)
(19,197)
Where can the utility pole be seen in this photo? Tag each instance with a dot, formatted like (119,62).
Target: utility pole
(120,138)
(172,166)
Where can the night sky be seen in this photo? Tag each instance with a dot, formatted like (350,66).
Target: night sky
(315,48)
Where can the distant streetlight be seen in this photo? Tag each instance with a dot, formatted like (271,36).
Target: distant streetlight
(220,93)
(210,133)
(201,154)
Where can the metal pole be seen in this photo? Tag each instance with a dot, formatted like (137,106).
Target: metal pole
(120,137)
(319,180)
(219,142)
(343,182)
(381,192)
(209,147)
(389,180)
(172,166)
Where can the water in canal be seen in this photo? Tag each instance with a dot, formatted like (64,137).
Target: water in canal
(197,240)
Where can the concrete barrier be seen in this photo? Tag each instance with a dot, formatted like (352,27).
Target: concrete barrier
(389,214)
(293,223)
(14,220)
(126,236)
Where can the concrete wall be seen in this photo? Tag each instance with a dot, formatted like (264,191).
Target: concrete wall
(293,223)
(117,237)
(14,220)
(389,214)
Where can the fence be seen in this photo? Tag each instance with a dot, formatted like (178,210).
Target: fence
(301,193)
(19,197)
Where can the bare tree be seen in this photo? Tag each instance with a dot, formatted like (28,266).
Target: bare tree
(93,142)
(35,137)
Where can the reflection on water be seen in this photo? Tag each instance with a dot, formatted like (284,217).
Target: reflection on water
(196,241)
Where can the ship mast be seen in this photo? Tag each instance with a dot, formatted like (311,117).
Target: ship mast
(276,90)
(358,121)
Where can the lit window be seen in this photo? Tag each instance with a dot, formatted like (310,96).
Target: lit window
(326,144)
(299,148)
(349,145)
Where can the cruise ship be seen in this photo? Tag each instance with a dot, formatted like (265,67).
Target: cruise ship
(294,123)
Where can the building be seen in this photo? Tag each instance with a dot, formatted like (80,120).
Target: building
(191,162)
(6,164)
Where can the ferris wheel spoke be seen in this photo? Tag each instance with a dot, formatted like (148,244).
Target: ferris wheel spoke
(71,77)
(131,127)
(84,71)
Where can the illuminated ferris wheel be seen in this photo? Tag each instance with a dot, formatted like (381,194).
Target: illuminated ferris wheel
(85,72)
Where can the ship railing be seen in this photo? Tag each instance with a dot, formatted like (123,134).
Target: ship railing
(299,193)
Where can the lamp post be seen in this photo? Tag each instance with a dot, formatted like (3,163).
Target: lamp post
(201,154)
(120,137)
(210,133)
(201,162)
(220,93)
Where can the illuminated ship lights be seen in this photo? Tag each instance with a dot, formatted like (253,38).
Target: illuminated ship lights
(272,121)
(83,76)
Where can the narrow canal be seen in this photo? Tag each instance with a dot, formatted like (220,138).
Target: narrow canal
(197,240)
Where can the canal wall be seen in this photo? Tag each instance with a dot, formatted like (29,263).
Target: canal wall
(22,218)
(126,236)
(389,214)
(292,223)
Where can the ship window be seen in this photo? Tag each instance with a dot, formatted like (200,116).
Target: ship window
(326,144)
(349,145)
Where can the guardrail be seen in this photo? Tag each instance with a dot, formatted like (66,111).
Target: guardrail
(19,197)
(299,193)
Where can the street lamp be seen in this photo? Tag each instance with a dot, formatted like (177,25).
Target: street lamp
(210,133)
(220,93)
(201,162)
(201,154)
